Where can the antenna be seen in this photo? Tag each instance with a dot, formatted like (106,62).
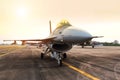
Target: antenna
(50,26)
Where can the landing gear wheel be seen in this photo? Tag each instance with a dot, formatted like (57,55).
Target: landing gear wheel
(42,55)
(64,55)
(93,46)
(60,62)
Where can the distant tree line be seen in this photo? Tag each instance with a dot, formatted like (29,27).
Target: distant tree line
(110,44)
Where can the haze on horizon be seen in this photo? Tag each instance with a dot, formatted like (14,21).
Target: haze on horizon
(28,19)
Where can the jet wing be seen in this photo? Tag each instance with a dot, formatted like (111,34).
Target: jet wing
(46,40)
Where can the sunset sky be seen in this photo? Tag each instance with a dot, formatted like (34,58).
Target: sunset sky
(28,19)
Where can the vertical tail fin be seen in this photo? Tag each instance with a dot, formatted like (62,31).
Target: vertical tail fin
(50,27)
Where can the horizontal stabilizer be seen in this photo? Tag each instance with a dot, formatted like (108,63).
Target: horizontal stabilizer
(97,36)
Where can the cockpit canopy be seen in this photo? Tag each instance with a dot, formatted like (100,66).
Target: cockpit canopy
(63,23)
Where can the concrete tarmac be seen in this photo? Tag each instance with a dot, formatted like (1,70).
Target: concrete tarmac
(100,63)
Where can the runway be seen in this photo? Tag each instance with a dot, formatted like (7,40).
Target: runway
(24,63)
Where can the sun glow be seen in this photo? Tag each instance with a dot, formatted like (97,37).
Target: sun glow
(22,11)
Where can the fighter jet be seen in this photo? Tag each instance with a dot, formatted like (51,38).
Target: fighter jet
(62,40)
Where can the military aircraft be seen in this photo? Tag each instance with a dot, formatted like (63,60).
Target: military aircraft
(61,40)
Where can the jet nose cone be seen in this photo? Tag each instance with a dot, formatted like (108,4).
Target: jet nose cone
(76,34)
(73,31)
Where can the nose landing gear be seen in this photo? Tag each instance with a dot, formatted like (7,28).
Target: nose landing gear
(60,57)
(60,62)
(57,55)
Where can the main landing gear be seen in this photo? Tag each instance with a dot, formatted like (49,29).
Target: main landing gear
(82,46)
(57,55)
(45,52)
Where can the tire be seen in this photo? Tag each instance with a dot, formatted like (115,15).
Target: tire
(64,55)
(60,62)
(82,46)
(42,56)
